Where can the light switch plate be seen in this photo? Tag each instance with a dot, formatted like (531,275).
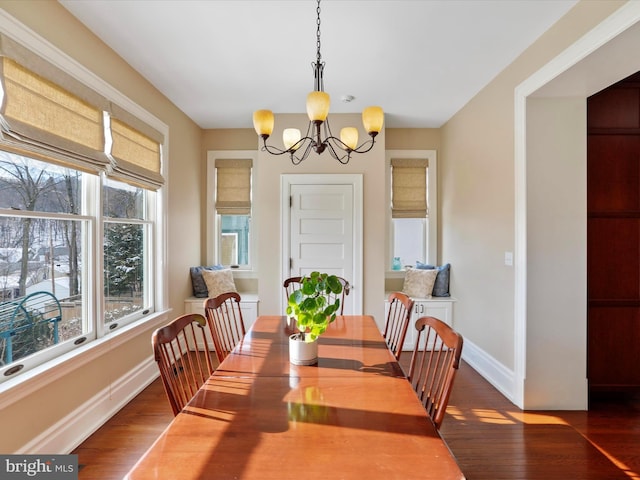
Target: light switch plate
(508,259)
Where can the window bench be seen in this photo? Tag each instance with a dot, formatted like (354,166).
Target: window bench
(438,307)
(248,305)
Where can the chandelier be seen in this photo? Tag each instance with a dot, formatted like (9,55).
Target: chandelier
(318,109)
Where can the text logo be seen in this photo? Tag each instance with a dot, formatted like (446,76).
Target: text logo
(50,467)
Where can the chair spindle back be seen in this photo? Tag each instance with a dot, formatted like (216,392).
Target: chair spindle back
(396,326)
(224,317)
(435,361)
(183,355)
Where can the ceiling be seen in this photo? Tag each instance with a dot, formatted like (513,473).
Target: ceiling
(219,60)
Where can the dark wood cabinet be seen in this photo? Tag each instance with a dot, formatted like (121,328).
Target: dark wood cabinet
(613,237)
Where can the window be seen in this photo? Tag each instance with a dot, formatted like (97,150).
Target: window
(412,219)
(230,208)
(79,177)
(126,251)
(409,241)
(234,239)
(42,257)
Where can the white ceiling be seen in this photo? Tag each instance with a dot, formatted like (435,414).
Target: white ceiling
(219,60)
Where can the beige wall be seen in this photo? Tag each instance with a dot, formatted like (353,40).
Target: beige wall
(266,194)
(412,139)
(478,197)
(267,173)
(34,414)
(556,252)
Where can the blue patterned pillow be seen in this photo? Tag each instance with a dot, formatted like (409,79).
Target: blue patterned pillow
(197,282)
(441,287)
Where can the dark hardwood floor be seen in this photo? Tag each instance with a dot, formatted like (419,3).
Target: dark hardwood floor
(489,436)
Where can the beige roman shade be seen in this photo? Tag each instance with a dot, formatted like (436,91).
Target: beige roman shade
(136,150)
(48,114)
(409,187)
(233,186)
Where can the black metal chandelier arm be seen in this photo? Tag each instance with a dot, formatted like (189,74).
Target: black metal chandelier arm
(271,149)
(362,148)
(344,159)
(297,160)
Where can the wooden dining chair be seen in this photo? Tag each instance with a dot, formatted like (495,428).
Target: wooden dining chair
(183,355)
(435,361)
(292,284)
(397,324)
(224,317)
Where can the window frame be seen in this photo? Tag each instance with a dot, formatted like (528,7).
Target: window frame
(213,223)
(147,268)
(50,353)
(432,252)
(28,381)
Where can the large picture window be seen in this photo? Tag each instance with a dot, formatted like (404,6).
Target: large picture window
(47,252)
(79,212)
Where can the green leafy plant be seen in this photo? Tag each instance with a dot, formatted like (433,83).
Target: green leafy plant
(311,306)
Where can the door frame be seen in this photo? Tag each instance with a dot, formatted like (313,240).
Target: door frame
(356,181)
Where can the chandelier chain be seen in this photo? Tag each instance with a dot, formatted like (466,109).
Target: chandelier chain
(318,54)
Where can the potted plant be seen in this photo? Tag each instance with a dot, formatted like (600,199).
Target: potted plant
(313,311)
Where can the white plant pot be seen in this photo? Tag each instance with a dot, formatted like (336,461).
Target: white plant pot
(301,352)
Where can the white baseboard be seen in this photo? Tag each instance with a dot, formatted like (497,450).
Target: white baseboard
(69,432)
(493,371)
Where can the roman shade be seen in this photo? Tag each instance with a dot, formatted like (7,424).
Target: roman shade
(135,150)
(48,114)
(233,186)
(409,187)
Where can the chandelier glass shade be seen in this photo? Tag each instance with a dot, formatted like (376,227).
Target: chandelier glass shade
(318,136)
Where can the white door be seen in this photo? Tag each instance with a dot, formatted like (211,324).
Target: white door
(323,231)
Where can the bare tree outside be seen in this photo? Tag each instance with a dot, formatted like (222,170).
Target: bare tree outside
(35,249)
(27,185)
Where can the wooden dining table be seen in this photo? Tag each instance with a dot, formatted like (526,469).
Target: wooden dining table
(354,415)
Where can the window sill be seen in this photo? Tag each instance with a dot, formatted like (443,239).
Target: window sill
(29,382)
(394,274)
(240,273)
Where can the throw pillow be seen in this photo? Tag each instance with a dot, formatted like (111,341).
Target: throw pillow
(441,287)
(419,283)
(197,282)
(218,282)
